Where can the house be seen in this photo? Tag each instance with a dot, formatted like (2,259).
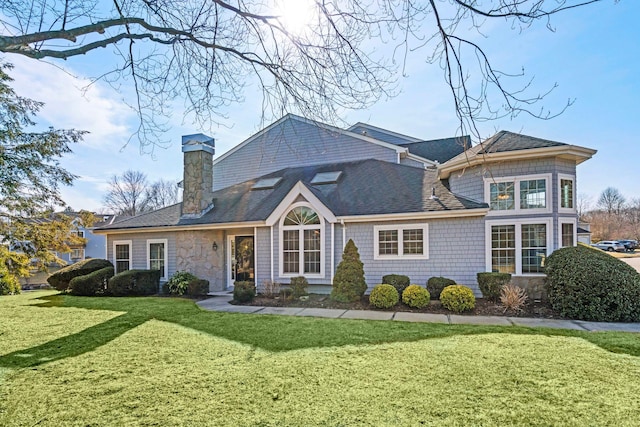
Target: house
(95,245)
(284,202)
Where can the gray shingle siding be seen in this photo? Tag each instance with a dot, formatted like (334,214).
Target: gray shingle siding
(456,251)
(288,145)
(139,248)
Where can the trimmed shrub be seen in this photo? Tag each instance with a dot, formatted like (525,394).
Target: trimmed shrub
(179,282)
(435,285)
(61,278)
(91,284)
(384,296)
(398,281)
(244,291)
(513,297)
(286,294)
(9,284)
(589,284)
(198,287)
(134,282)
(491,284)
(416,296)
(348,283)
(458,298)
(299,286)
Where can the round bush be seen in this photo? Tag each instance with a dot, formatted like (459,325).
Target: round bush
(588,284)
(384,296)
(416,296)
(398,281)
(435,285)
(458,298)
(178,284)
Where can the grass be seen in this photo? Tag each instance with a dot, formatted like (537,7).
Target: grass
(161,361)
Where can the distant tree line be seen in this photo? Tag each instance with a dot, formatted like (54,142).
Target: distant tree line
(131,194)
(612,217)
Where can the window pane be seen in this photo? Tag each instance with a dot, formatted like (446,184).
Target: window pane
(566,193)
(503,252)
(412,242)
(122,252)
(567,235)
(502,195)
(533,194)
(301,216)
(122,266)
(291,240)
(534,247)
(388,242)
(291,248)
(312,251)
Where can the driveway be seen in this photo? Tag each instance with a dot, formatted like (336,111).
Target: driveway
(633,262)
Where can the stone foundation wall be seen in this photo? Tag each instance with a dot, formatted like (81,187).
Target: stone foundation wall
(194,253)
(533,285)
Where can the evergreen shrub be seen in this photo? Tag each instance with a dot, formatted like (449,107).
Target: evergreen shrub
(61,278)
(348,283)
(134,282)
(92,284)
(416,296)
(435,285)
(398,281)
(244,291)
(491,284)
(588,284)
(458,298)
(384,296)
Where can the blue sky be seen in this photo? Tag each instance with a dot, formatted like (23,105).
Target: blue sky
(593,55)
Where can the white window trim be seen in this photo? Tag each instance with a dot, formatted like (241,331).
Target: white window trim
(165,273)
(281,229)
(400,228)
(82,254)
(518,225)
(572,178)
(123,242)
(571,221)
(516,183)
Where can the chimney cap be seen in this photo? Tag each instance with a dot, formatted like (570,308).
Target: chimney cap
(198,142)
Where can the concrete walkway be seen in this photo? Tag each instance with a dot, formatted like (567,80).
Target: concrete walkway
(220,302)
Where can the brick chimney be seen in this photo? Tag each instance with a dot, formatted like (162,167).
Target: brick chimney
(197,185)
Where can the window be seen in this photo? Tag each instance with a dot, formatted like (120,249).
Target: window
(401,241)
(79,233)
(518,194)
(157,256)
(518,247)
(122,255)
(566,193)
(77,254)
(301,243)
(534,247)
(567,237)
(503,248)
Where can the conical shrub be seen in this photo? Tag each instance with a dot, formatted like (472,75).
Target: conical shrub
(348,283)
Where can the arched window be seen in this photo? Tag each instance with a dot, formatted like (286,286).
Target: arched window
(301,234)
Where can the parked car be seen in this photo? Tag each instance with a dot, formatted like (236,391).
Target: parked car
(610,246)
(630,245)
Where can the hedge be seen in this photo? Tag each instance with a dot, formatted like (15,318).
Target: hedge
(61,278)
(435,285)
(491,284)
(588,284)
(134,282)
(398,281)
(91,284)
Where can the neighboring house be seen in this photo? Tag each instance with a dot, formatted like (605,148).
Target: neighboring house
(284,202)
(96,244)
(584,233)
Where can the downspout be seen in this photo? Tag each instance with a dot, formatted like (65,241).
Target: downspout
(255,256)
(344,234)
(271,253)
(333,251)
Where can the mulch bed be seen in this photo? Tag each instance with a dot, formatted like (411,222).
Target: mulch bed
(536,309)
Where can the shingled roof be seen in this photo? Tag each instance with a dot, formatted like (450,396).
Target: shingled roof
(367,187)
(509,141)
(439,150)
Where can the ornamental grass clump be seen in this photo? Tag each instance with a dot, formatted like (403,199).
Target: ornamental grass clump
(458,298)
(513,297)
(416,296)
(384,296)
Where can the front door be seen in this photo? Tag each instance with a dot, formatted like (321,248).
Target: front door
(242,259)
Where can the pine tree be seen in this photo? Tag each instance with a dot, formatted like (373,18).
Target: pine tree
(348,283)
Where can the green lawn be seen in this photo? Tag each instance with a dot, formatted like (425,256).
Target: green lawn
(159,361)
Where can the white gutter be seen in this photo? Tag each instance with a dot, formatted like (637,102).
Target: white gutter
(333,251)
(198,227)
(271,253)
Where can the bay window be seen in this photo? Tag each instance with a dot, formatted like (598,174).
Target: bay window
(518,247)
